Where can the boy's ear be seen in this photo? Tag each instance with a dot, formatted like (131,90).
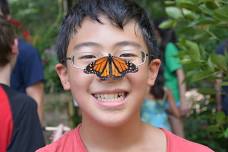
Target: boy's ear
(14,46)
(63,75)
(153,71)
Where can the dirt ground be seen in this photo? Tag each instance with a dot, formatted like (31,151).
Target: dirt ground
(58,110)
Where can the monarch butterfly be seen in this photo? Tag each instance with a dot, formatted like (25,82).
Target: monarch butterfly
(110,67)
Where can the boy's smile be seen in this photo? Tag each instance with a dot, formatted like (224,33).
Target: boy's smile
(111,101)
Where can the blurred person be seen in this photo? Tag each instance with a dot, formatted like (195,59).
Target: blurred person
(20,126)
(27,75)
(174,76)
(154,108)
(221,91)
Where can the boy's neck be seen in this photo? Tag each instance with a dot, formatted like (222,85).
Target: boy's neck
(5,73)
(109,137)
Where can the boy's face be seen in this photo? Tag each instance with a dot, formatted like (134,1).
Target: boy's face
(110,102)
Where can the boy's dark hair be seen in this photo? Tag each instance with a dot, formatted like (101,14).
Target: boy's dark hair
(119,12)
(4,7)
(7,36)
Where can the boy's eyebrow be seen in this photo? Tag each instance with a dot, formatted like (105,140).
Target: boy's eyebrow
(118,44)
(127,43)
(86,44)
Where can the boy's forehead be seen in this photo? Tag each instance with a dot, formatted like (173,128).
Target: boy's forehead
(87,22)
(106,32)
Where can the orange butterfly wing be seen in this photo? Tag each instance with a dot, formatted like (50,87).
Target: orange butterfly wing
(98,67)
(110,66)
(119,67)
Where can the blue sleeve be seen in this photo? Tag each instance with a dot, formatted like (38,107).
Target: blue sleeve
(28,69)
(32,67)
(222,47)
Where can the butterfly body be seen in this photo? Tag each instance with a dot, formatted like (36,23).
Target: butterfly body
(110,67)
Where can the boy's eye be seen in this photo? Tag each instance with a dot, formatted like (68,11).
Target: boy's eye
(87,57)
(127,55)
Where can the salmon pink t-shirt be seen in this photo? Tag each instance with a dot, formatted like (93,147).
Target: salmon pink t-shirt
(72,142)
(178,144)
(69,142)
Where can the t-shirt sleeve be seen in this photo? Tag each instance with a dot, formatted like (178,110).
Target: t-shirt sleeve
(69,142)
(32,67)
(178,144)
(171,58)
(27,128)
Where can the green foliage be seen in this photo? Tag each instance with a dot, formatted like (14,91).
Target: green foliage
(208,127)
(52,83)
(42,18)
(201,25)
(155,6)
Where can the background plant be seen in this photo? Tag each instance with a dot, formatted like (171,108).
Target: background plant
(42,19)
(201,25)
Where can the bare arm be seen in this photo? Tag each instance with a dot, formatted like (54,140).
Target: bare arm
(182,88)
(172,105)
(218,94)
(36,91)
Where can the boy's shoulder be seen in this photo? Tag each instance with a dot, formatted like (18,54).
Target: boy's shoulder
(70,142)
(178,144)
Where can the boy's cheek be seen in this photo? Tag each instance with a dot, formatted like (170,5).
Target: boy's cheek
(78,79)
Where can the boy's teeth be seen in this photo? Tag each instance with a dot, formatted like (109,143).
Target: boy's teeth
(109,97)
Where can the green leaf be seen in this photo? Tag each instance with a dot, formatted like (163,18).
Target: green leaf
(191,5)
(194,48)
(174,12)
(190,14)
(202,21)
(213,128)
(219,61)
(205,10)
(170,23)
(211,64)
(226,133)
(222,12)
(169,2)
(211,4)
(220,117)
(202,75)
(224,84)
(207,90)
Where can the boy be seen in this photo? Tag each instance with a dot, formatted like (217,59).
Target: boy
(20,126)
(105,49)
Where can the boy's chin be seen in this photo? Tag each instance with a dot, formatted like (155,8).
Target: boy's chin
(113,121)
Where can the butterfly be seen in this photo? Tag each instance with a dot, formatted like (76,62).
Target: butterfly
(110,67)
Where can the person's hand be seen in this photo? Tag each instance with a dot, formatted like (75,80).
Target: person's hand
(185,108)
(58,131)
